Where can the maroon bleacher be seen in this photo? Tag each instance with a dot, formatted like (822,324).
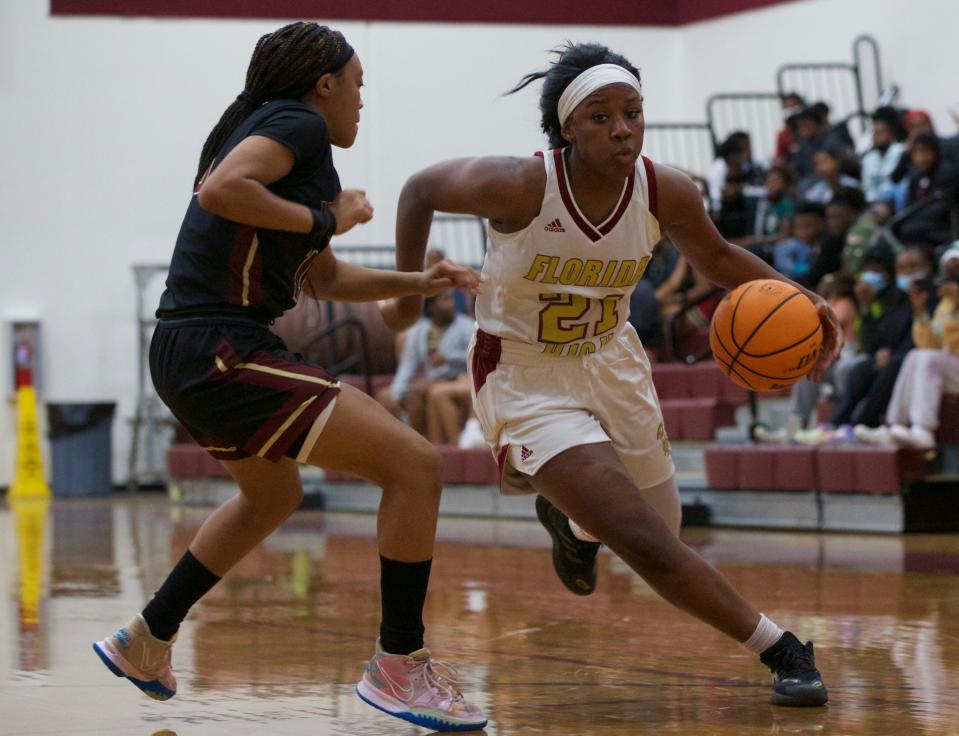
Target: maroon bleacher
(696,399)
(834,469)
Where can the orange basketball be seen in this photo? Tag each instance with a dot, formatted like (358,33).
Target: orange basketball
(765,335)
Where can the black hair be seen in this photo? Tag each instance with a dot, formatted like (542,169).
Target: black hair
(573,60)
(793,96)
(880,255)
(736,142)
(821,111)
(928,140)
(811,208)
(891,117)
(925,252)
(849,197)
(785,172)
(285,65)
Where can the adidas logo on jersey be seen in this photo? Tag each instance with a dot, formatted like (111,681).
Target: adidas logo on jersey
(525,453)
(555,227)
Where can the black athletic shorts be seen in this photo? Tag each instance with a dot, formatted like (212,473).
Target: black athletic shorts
(236,388)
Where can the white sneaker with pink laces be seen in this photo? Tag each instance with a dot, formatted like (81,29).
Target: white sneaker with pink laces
(418,689)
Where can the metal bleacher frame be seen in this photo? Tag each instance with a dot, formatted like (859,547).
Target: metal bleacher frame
(150,421)
(841,85)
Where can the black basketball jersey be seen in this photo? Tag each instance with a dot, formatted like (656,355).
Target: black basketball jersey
(221,265)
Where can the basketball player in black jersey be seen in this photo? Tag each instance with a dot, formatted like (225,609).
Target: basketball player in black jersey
(267,200)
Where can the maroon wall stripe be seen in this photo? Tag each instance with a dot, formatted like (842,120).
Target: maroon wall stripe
(565,12)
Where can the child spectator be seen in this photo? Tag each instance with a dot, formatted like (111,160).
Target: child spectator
(793,257)
(930,370)
(775,211)
(881,160)
(434,350)
(841,214)
(829,179)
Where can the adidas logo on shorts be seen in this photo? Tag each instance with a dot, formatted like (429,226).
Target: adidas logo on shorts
(555,227)
(525,453)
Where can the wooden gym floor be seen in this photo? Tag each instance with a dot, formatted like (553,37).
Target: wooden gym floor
(277,646)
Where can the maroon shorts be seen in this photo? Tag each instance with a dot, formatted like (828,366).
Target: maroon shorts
(236,388)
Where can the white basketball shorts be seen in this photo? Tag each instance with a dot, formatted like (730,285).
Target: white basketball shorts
(533,406)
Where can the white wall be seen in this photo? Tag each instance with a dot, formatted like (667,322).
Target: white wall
(103,119)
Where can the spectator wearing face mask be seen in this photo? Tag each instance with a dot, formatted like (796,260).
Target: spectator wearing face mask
(885,336)
(930,370)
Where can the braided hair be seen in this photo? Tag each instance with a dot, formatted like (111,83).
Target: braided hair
(573,60)
(285,65)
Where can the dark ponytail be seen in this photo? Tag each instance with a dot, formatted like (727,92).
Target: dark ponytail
(573,60)
(285,65)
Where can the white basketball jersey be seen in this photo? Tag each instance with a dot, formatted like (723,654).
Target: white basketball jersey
(561,286)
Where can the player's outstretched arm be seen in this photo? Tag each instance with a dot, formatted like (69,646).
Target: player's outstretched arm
(683,218)
(500,189)
(336,280)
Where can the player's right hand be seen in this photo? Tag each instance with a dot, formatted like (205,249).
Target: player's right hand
(447,274)
(351,208)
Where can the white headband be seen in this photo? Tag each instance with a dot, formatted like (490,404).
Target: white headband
(601,75)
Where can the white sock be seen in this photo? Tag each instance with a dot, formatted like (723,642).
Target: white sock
(580,533)
(765,635)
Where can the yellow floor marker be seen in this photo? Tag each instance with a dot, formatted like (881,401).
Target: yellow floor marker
(28,478)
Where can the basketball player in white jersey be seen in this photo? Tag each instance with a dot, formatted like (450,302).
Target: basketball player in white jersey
(561,383)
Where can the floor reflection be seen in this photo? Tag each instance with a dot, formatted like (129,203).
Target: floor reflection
(278,644)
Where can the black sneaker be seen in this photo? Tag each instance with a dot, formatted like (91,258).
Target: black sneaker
(573,559)
(796,681)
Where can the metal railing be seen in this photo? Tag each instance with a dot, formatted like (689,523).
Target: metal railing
(841,85)
(686,146)
(757,113)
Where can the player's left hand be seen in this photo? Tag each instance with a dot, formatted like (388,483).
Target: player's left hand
(832,339)
(445,275)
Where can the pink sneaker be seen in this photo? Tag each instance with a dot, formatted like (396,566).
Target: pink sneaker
(134,653)
(418,689)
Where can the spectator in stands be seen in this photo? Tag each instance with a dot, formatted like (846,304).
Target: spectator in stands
(448,405)
(885,323)
(917,122)
(835,136)
(805,395)
(867,232)
(930,201)
(791,103)
(828,163)
(794,256)
(679,289)
(434,350)
(807,141)
(930,370)
(881,160)
(464,304)
(731,172)
(774,214)
(841,215)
